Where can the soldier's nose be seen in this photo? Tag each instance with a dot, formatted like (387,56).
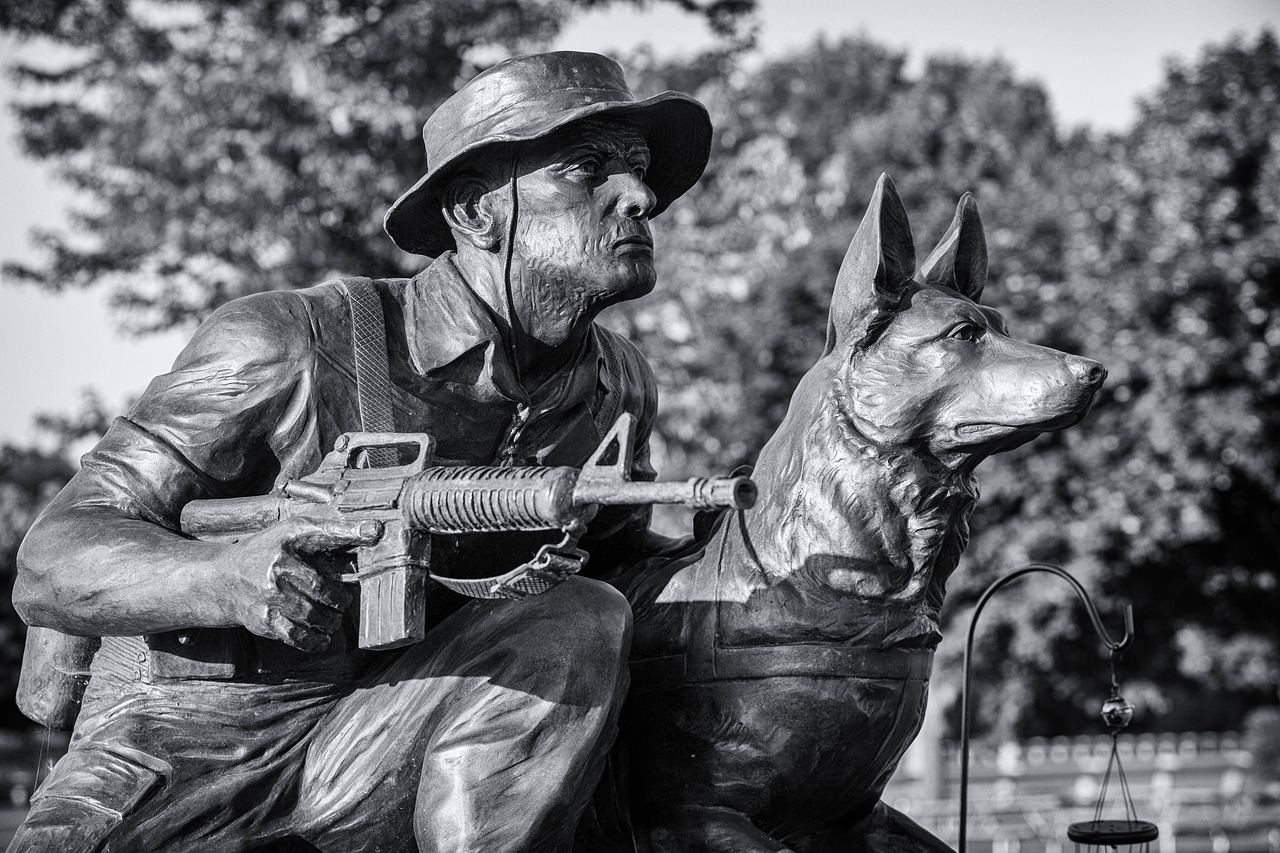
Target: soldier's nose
(635,199)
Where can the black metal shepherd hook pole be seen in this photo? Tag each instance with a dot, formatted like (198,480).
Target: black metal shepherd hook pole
(1114,647)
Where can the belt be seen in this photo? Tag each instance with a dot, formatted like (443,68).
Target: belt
(815,660)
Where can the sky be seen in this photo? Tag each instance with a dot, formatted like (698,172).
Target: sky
(1095,58)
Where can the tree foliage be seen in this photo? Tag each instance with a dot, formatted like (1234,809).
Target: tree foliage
(28,479)
(1169,495)
(1153,251)
(232,147)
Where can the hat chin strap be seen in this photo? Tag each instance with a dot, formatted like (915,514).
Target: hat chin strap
(513,319)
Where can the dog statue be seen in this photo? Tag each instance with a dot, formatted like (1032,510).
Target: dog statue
(780,667)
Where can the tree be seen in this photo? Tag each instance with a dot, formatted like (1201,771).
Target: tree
(232,147)
(1153,251)
(229,147)
(220,166)
(1168,496)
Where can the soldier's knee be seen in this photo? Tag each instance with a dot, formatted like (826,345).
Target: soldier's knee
(90,800)
(68,826)
(592,612)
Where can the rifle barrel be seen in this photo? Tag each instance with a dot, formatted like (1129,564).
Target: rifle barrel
(696,492)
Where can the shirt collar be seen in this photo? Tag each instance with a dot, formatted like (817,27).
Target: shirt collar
(445,320)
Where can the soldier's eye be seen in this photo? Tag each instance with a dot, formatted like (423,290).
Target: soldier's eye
(966,332)
(591,167)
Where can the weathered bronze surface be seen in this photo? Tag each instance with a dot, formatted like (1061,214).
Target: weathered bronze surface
(780,662)
(780,668)
(230,707)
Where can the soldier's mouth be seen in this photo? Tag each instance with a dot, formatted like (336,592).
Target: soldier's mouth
(634,243)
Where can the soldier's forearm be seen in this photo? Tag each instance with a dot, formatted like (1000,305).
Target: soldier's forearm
(93,571)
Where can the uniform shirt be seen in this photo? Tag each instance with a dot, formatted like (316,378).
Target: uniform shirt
(267,384)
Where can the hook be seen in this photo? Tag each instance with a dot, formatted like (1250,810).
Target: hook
(1115,648)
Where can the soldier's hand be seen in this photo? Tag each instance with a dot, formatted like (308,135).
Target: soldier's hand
(285,586)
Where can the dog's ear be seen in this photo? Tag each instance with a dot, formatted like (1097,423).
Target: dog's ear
(876,271)
(960,260)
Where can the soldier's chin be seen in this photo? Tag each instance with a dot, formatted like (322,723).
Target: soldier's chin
(632,281)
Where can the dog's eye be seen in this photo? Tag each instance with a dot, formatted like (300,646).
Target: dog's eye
(966,332)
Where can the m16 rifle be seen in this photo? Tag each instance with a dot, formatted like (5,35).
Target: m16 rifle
(415,499)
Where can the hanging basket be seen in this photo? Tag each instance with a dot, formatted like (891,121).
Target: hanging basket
(1099,834)
(1112,833)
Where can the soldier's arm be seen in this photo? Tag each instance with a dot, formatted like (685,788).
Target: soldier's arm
(105,558)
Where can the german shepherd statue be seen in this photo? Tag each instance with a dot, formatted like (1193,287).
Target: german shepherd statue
(780,666)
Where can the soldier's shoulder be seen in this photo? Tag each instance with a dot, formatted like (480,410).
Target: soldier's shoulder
(628,373)
(328,300)
(271,324)
(290,319)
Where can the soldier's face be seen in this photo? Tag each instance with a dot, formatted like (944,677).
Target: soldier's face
(582,218)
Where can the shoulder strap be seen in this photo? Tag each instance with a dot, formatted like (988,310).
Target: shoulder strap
(373,380)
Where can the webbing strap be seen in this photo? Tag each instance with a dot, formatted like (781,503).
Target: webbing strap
(550,566)
(373,381)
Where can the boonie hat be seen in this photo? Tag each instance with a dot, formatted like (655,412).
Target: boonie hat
(529,97)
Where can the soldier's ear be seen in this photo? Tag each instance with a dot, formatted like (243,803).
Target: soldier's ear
(473,212)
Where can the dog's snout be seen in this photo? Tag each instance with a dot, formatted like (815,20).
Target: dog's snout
(1088,372)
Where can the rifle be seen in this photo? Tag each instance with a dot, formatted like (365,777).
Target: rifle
(415,499)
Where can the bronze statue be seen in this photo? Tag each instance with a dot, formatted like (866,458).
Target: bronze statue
(229,706)
(780,667)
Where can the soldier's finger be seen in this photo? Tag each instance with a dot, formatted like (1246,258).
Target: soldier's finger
(316,586)
(320,620)
(309,536)
(298,635)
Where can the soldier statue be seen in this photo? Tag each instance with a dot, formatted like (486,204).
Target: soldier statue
(229,708)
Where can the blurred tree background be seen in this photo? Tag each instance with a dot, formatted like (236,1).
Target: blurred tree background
(228,147)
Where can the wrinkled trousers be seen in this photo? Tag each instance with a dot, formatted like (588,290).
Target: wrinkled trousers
(489,735)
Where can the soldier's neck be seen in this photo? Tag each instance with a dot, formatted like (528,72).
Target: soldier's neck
(541,324)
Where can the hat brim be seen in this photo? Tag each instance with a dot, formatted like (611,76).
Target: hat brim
(676,128)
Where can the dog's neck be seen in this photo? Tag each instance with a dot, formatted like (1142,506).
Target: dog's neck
(872,521)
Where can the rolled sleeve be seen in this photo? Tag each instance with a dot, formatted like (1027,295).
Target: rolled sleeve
(210,426)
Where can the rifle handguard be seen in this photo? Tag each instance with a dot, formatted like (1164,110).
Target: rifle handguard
(475,500)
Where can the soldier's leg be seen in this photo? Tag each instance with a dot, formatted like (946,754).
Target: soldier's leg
(175,766)
(94,789)
(488,735)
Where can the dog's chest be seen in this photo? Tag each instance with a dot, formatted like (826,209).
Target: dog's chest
(796,611)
